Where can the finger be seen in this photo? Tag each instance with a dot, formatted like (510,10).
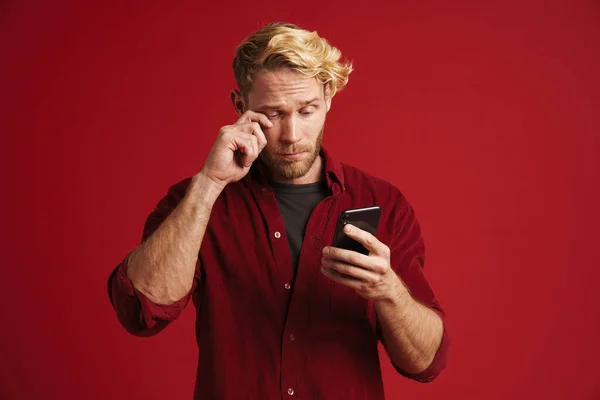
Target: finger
(370,242)
(252,154)
(255,150)
(253,128)
(244,145)
(349,270)
(251,116)
(372,263)
(245,141)
(260,136)
(344,280)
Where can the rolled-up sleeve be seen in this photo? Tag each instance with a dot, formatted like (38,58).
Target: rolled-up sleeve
(137,314)
(437,365)
(408,258)
(421,291)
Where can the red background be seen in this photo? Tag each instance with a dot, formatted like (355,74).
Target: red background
(485,115)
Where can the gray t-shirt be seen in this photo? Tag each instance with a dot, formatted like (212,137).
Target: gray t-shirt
(296,204)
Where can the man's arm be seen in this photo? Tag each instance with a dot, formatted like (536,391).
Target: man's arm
(154,283)
(405,313)
(163,266)
(411,332)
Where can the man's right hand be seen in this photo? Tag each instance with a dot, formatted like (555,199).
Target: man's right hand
(236,148)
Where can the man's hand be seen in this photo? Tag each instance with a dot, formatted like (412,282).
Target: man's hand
(236,148)
(411,332)
(371,276)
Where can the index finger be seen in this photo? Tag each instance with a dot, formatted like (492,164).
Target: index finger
(363,237)
(251,116)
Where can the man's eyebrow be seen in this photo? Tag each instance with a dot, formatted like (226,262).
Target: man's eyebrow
(269,107)
(307,102)
(276,106)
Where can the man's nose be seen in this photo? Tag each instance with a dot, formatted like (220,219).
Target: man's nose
(288,129)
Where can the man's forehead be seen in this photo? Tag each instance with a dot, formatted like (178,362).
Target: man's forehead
(281,89)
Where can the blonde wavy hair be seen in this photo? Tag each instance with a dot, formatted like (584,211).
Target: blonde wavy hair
(281,44)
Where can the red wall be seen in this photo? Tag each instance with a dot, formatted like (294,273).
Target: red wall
(485,115)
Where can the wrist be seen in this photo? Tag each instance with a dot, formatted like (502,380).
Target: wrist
(203,189)
(397,293)
(206,177)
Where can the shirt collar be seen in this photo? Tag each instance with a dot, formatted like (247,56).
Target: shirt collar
(332,168)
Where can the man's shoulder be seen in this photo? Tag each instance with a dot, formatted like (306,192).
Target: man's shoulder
(358,179)
(364,187)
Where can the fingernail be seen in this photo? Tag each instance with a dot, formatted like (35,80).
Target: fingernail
(326,250)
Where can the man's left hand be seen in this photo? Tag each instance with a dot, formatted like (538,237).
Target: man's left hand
(370,275)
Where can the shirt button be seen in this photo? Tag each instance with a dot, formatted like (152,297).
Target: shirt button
(287,286)
(277,235)
(292,337)
(291,391)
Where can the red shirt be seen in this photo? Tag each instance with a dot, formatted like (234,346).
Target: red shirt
(263,334)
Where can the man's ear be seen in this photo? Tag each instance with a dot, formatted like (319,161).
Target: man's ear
(238,102)
(327,97)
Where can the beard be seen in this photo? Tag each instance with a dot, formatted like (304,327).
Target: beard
(292,169)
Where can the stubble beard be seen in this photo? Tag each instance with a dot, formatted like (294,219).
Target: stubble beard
(293,169)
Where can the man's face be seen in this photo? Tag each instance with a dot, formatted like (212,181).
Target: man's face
(296,106)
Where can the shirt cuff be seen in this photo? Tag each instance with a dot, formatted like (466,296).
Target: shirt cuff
(437,365)
(441,356)
(137,313)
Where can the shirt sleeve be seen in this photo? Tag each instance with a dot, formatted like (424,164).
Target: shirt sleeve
(408,258)
(136,313)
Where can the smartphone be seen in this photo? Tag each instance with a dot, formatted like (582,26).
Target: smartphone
(366,218)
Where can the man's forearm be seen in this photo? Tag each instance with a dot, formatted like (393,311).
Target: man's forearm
(412,332)
(163,266)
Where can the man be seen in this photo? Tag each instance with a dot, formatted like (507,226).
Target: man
(280,313)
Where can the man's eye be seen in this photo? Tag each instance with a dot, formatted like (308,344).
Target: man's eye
(273,115)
